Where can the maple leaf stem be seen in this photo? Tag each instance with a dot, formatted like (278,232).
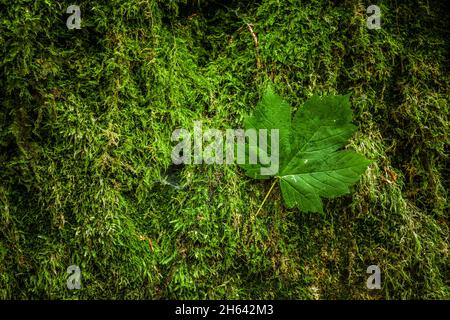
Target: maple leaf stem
(267,195)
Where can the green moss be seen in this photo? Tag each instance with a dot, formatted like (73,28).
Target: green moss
(85,124)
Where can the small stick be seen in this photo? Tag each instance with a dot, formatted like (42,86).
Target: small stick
(150,244)
(255,39)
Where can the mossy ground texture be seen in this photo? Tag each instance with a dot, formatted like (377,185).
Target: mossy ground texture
(86,177)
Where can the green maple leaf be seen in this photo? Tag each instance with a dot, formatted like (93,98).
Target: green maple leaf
(312,163)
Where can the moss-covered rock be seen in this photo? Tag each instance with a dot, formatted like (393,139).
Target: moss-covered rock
(86,118)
